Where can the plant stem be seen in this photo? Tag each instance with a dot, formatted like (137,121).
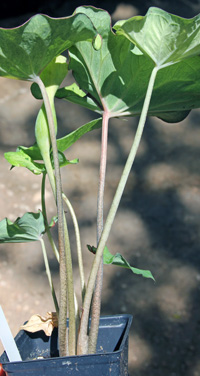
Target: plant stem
(70,295)
(78,243)
(112,212)
(61,232)
(102,174)
(48,272)
(96,302)
(56,253)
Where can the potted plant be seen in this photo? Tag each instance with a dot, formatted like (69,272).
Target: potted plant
(142,66)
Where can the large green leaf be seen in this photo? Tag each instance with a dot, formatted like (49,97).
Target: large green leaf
(28,228)
(26,50)
(176,90)
(115,78)
(162,36)
(119,260)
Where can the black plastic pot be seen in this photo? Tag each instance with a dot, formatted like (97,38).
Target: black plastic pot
(111,358)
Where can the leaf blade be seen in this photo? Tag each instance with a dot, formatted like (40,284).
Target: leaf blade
(26,50)
(162,36)
(30,227)
(119,260)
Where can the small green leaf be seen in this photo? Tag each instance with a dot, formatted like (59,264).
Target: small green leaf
(22,159)
(63,161)
(25,157)
(54,220)
(162,36)
(32,151)
(74,94)
(30,227)
(68,140)
(119,260)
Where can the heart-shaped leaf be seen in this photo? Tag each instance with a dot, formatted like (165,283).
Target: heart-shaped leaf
(28,228)
(115,78)
(162,36)
(26,50)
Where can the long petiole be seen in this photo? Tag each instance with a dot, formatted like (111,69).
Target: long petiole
(78,243)
(111,215)
(61,231)
(96,302)
(48,272)
(56,253)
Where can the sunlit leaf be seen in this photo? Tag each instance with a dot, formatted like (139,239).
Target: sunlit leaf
(119,260)
(162,36)
(26,50)
(31,151)
(74,94)
(116,77)
(30,227)
(25,157)
(46,323)
(22,159)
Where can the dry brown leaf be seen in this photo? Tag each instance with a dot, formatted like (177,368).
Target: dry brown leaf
(45,323)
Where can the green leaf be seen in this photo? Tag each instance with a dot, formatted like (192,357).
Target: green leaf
(177,89)
(52,77)
(65,142)
(26,50)
(91,67)
(22,159)
(162,36)
(31,151)
(119,260)
(30,227)
(174,116)
(74,94)
(25,157)
(63,161)
(116,77)
(54,220)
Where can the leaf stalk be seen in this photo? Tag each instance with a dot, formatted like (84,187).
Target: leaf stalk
(113,210)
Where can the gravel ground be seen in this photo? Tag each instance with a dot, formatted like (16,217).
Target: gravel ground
(157,226)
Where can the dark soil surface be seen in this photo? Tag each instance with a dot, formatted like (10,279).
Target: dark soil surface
(157,226)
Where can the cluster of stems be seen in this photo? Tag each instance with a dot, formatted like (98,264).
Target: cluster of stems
(75,339)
